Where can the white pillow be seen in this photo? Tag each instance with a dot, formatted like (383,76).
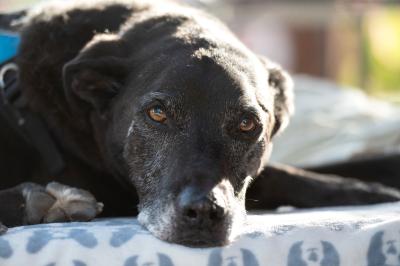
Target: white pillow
(348,236)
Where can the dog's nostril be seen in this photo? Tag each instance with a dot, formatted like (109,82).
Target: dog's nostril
(203,213)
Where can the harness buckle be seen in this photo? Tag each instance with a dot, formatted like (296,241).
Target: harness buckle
(8,82)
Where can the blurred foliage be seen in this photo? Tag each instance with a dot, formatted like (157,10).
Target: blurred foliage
(383,49)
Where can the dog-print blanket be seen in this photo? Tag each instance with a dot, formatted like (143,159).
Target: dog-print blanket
(351,236)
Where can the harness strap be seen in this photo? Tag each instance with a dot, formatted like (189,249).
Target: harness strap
(13,108)
(9,42)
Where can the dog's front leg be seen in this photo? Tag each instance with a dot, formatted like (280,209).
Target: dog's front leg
(29,203)
(284,185)
(12,206)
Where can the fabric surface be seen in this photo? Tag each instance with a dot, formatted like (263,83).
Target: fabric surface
(365,236)
(334,123)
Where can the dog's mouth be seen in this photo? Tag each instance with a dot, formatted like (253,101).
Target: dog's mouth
(198,216)
(171,227)
(196,237)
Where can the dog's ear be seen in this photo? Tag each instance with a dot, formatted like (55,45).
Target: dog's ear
(282,84)
(96,75)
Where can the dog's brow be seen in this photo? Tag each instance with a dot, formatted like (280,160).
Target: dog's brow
(262,105)
(162,96)
(247,109)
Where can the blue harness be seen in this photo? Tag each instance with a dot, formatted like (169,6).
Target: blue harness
(8,46)
(14,110)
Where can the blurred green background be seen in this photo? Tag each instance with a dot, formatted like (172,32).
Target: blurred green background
(354,43)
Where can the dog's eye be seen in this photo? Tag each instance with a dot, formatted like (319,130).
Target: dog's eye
(247,125)
(157,114)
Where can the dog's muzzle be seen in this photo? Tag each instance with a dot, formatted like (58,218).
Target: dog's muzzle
(199,209)
(204,217)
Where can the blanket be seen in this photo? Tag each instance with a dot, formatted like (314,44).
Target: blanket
(347,236)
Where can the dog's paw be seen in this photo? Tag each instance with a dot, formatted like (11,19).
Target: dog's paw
(72,204)
(60,203)
(3,229)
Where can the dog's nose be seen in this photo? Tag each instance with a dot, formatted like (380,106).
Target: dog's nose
(200,208)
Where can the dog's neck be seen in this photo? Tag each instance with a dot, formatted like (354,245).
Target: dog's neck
(71,132)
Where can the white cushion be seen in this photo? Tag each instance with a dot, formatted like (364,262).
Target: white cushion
(364,236)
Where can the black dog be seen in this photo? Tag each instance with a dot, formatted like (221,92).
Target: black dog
(160,101)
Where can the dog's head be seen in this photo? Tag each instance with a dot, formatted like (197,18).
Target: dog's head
(185,113)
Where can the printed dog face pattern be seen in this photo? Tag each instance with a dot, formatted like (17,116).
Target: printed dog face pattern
(41,238)
(158,259)
(232,256)
(5,249)
(382,247)
(313,253)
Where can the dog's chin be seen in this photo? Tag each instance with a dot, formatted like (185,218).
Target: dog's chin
(168,229)
(192,238)
(205,242)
